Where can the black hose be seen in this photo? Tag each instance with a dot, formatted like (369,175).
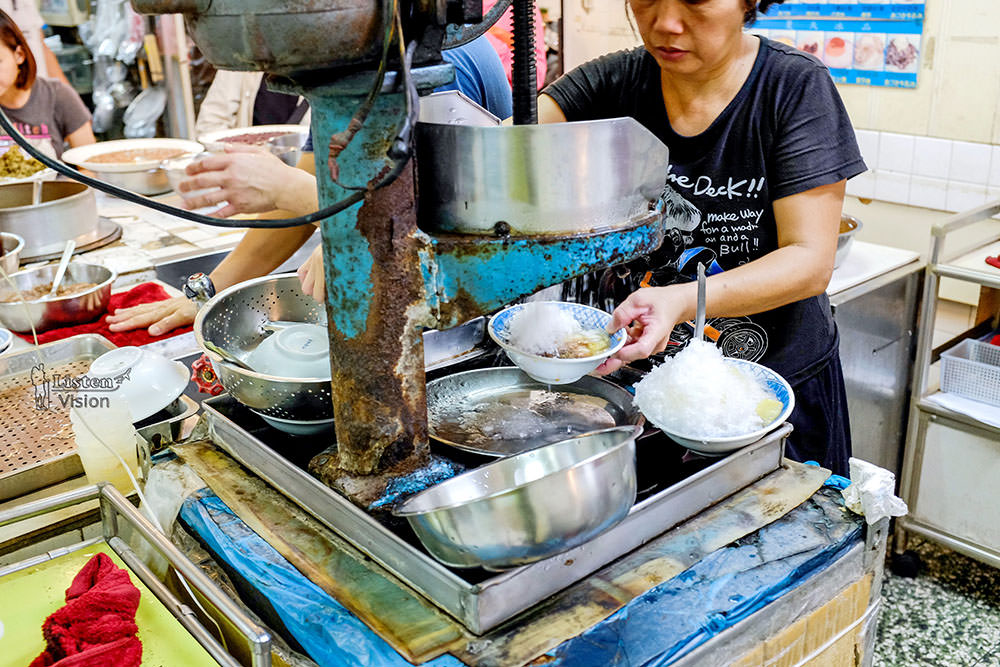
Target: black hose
(128,195)
(524,77)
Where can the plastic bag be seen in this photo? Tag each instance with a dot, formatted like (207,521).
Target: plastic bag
(872,492)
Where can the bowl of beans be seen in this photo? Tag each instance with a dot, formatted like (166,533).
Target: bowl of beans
(82,296)
(133,164)
(285,141)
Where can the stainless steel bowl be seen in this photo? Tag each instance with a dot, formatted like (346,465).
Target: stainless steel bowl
(60,311)
(529,506)
(13,246)
(288,147)
(235,319)
(67,210)
(849,226)
(145,182)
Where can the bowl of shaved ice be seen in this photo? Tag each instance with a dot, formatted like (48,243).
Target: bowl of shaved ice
(712,404)
(555,342)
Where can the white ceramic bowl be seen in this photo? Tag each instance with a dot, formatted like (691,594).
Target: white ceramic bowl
(297,426)
(145,381)
(553,370)
(219,139)
(717,446)
(300,351)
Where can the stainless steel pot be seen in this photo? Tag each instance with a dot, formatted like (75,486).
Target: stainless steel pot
(529,506)
(146,182)
(537,179)
(60,311)
(67,211)
(13,246)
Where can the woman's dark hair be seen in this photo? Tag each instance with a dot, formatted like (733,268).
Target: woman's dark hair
(12,37)
(753,7)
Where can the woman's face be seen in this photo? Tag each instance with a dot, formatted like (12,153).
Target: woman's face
(9,62)
(689,36)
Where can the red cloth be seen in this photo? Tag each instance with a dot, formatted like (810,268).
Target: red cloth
(144,293)
(97,627)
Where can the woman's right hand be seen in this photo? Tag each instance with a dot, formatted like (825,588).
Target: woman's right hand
(159,316)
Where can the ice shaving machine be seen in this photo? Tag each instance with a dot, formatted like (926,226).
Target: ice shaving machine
(439,223)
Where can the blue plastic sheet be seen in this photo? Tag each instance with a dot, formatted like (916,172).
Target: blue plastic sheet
(719,591)
(327,631)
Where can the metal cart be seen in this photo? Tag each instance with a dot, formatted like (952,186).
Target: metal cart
(116,510)
(951,460)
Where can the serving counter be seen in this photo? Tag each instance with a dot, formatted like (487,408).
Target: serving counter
(778,572)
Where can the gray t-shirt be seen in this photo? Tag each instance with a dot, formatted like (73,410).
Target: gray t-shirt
(52,112)
(785,132)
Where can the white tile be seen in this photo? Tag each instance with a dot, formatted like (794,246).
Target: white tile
(868,143)
(992,194)
(994,180)
(931,157)
(928,192)
(970,163)
(893,187)
(963,196)
(862,186)
(895,152)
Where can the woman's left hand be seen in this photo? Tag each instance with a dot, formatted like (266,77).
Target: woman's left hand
(648,316)
(311,275)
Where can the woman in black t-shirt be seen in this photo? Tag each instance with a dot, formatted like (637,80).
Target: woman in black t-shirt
(760,150)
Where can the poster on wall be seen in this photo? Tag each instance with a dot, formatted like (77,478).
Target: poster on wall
(868,44)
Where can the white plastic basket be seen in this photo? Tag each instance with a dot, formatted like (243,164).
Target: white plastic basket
(972,369)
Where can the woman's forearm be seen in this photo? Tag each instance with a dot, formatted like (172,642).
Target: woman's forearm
(298,193)
(258,253)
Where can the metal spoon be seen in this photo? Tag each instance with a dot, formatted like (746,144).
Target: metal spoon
(226,356)
(63,263)
(36,193)
(699,322)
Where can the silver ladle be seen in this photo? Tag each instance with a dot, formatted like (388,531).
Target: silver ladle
(699,321)
(227,357)
(61,270)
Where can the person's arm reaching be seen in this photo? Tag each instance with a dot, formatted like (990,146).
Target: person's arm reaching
(808,224)
(251,181)
(258,253)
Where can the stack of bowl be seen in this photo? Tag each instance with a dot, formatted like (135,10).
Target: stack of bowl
(291,387)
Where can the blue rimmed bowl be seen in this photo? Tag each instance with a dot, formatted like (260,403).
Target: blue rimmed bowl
(717,446)
(556,370)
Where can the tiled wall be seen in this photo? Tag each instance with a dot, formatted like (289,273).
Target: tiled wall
(939,174)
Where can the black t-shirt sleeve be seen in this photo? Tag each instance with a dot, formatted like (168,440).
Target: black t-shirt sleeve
(814,142)
(596,88)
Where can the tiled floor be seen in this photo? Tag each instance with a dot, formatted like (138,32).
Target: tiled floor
(948,616)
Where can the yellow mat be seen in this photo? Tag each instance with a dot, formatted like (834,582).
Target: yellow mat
(28,597)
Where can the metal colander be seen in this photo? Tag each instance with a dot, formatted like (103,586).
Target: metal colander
(237,320)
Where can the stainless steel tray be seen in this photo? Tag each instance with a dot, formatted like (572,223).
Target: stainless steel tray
(32,456)
(482,604)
